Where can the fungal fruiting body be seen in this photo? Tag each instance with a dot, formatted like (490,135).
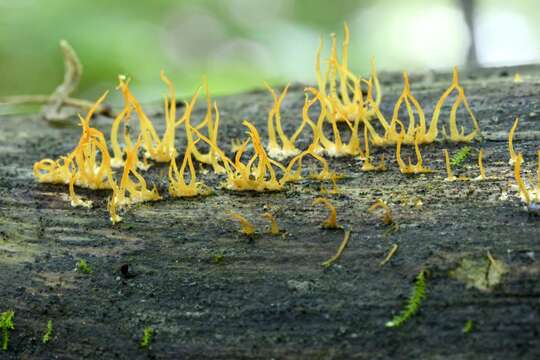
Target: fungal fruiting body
(410,168)
(331,220)
(387,217)
(156,148)
(530,197)
(342,247)
(455,134)
(481,168)
(274,227)
(132,188)
(246,227)
(511,150)
(390,254)
(368,166)
(211,121)
(339,101)
(288,148)
(177,183)
(450,175)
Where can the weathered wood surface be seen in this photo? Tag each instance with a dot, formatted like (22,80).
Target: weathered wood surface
(270,297)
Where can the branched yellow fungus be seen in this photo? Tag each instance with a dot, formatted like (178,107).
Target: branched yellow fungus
(368,166)
(414,133)
(339,102)
(288,148)
(257,174)
(531,197)
(177,184)
(391,253)
(274,227)
(331,221)
(211,121)
(387,216)
(156,148)
(511,142)
(320,142)
(88,165)
(246,227)
(455,134)
(324,174)
(132,188)
(410,168)
(340,250)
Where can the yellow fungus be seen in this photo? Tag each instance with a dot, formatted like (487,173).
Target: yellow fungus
(246,227)
(455,134)
(88,165)
(409,168)
(177,184)
(274,227)
(339,101)
(288,148)
(156,148)
(390,254)
(482,175)
(368,166)
(450,176)
(340,250)
(531,197)
(132,188)
(517,78)
(387,216)
(511,142)
(331,221)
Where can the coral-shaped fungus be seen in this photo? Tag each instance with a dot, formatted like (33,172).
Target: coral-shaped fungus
(159,149)
(288,148)
(331,221)
(481,168)
(455,134)
(132,188)
(274,227)
(368,165)
(379,204)
(88,165)
(530,197)
(410,168)
(177,183)
(339,101)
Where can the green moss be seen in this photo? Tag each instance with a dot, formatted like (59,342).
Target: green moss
(469,327)
(6,324)
(48,332)
(84,267)
(147,337)
(459,157)
(418,294)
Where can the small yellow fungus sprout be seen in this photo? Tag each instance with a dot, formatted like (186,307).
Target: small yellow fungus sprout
(288,147)
(324,174)
(133,183)
(414,133)
(387,216)
(246,227)
(177,184)
(482,175)
(331,221)
(333,191)
(236,144)
(368,166)
(274,227)
(531,197)
(211,120)
(156,148)
(111,207)
(410,168)
(511,142)
(390,254)
(455,134)
(450,176)
(345,107)
(340,250)
(88,165)
(517,78)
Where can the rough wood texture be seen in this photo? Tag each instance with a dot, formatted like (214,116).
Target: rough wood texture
(270,296)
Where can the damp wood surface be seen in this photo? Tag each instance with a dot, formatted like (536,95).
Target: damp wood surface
(210,292)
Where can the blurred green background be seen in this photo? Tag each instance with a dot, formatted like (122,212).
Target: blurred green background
(241,43)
